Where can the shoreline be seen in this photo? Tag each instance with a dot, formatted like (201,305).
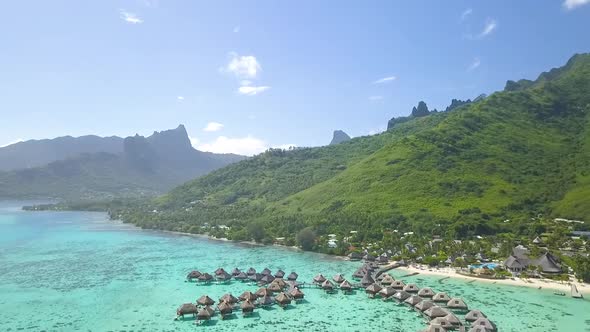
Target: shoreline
(583,288)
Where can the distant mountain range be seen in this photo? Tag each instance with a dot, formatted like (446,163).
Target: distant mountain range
(91,167)
(339,137)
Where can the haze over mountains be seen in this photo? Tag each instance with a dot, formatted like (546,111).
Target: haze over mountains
(92,167)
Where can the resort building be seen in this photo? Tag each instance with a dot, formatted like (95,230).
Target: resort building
(519,261)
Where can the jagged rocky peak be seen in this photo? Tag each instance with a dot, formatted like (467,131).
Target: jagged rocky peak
(339,137)
(175,139)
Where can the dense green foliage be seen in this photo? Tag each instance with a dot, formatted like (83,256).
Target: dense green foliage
(499,166)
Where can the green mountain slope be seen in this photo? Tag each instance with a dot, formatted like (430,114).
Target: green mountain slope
(516,154)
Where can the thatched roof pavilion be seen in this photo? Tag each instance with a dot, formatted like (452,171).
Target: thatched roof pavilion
(367,280)
(265,300)
(387,279)
(413,300)
(338,278)
(251,271)
(548,263)
(219,271)
(373,289)
(241,276)
(248,296)
(387,292)
(327,285)
(441,297)
(282,283)
(225,308)
(235,272)
(283,299)
(346,286)
(203,314)
(411,288)
(205,277)
(187,309)
(247,306)
(255,277)
(358,274)
(435,311)
(473,315)
(229,299)
(193,275)
(485,323)
(292,276)
(275,287)
(296,293)
(426,292)
(398,284)
(457,303)
(266,271)
(424,305)
(401,295)
(319,279)
(280,274)
(262,292)
(224,276)
(267,279)
(453,319)
(205,300)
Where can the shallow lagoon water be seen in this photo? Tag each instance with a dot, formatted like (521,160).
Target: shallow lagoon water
(73,271)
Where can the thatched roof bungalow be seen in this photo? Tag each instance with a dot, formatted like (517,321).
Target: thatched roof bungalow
(193,275)
(387,292)
(205,300)
(296,294)
(265,301)
(205,277)
(251,271)
(411,288)
(219,271)
(248,296)
(319,279)
(235,272)
(413,300)
(442,321)
(338,278)
(241,276)
(280,274)
(424,305)
(401,296)
(262,292)
(266,279)
(187,309)
(387,279)
(473,315)
(292,276)
(327,285)
(398,284)
(266,271)
(373,289)
(224,308)
(549,264)
(346,286)
(274,287)
(453,319)
(367,280)
(435,311)
(204,314)
(255,277)
(229,299)
(426,292)
(247,307)
(457,303)
(484,323)
(283,299)
(434,328)
(441,297)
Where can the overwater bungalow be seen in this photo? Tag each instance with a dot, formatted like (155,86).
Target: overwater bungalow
(292,276)
(355,256)
(228,298)
(262,292)
(283,299)
(225,309)
(265,301)
(319,279)
(282,283)
(248,296)
(413,300)
(205,300)
(426,292)
(442,321)
(251,271)
(193,275)
(453,319)
(434,328)
(338,278)
(219,271)
(484,323)
(280,274)
(457,303)
(256,277)
(266,279)
(398,284)
(478,329)
(296,294)
(372,290)
(210,310)
(205,277)
(474,315)
(411,288)
(424,305)
(247,307)
(266,271)
(346,287)
(186,309)
(366,281)
(359,273)
(223,277)
(441,297)
(293,284)
(401,296)
(203,314)
(387,292)
(387,279)
(435,311)
(235,272)
(328,286)
(241,276)
(274,287)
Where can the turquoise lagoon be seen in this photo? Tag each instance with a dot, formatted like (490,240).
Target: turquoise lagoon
(71,271)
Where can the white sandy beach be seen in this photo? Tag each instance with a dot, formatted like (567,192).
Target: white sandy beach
(533,283)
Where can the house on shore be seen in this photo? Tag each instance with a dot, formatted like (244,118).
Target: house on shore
(519,261)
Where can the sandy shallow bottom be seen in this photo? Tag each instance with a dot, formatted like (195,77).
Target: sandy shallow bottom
(80,272)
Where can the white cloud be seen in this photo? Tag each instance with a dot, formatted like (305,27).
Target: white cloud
(180,98)
(130,17)
(194,141)
(236,29)
(13,142)
(243,66)
(573,4)
(490,26)
(385,80)
(245,146)
(252,90)
(375,98)
(213,126)
(474,64)
(466,13)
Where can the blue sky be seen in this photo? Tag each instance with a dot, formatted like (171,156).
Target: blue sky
(243,76)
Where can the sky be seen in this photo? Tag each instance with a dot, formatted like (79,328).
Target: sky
(243,76)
